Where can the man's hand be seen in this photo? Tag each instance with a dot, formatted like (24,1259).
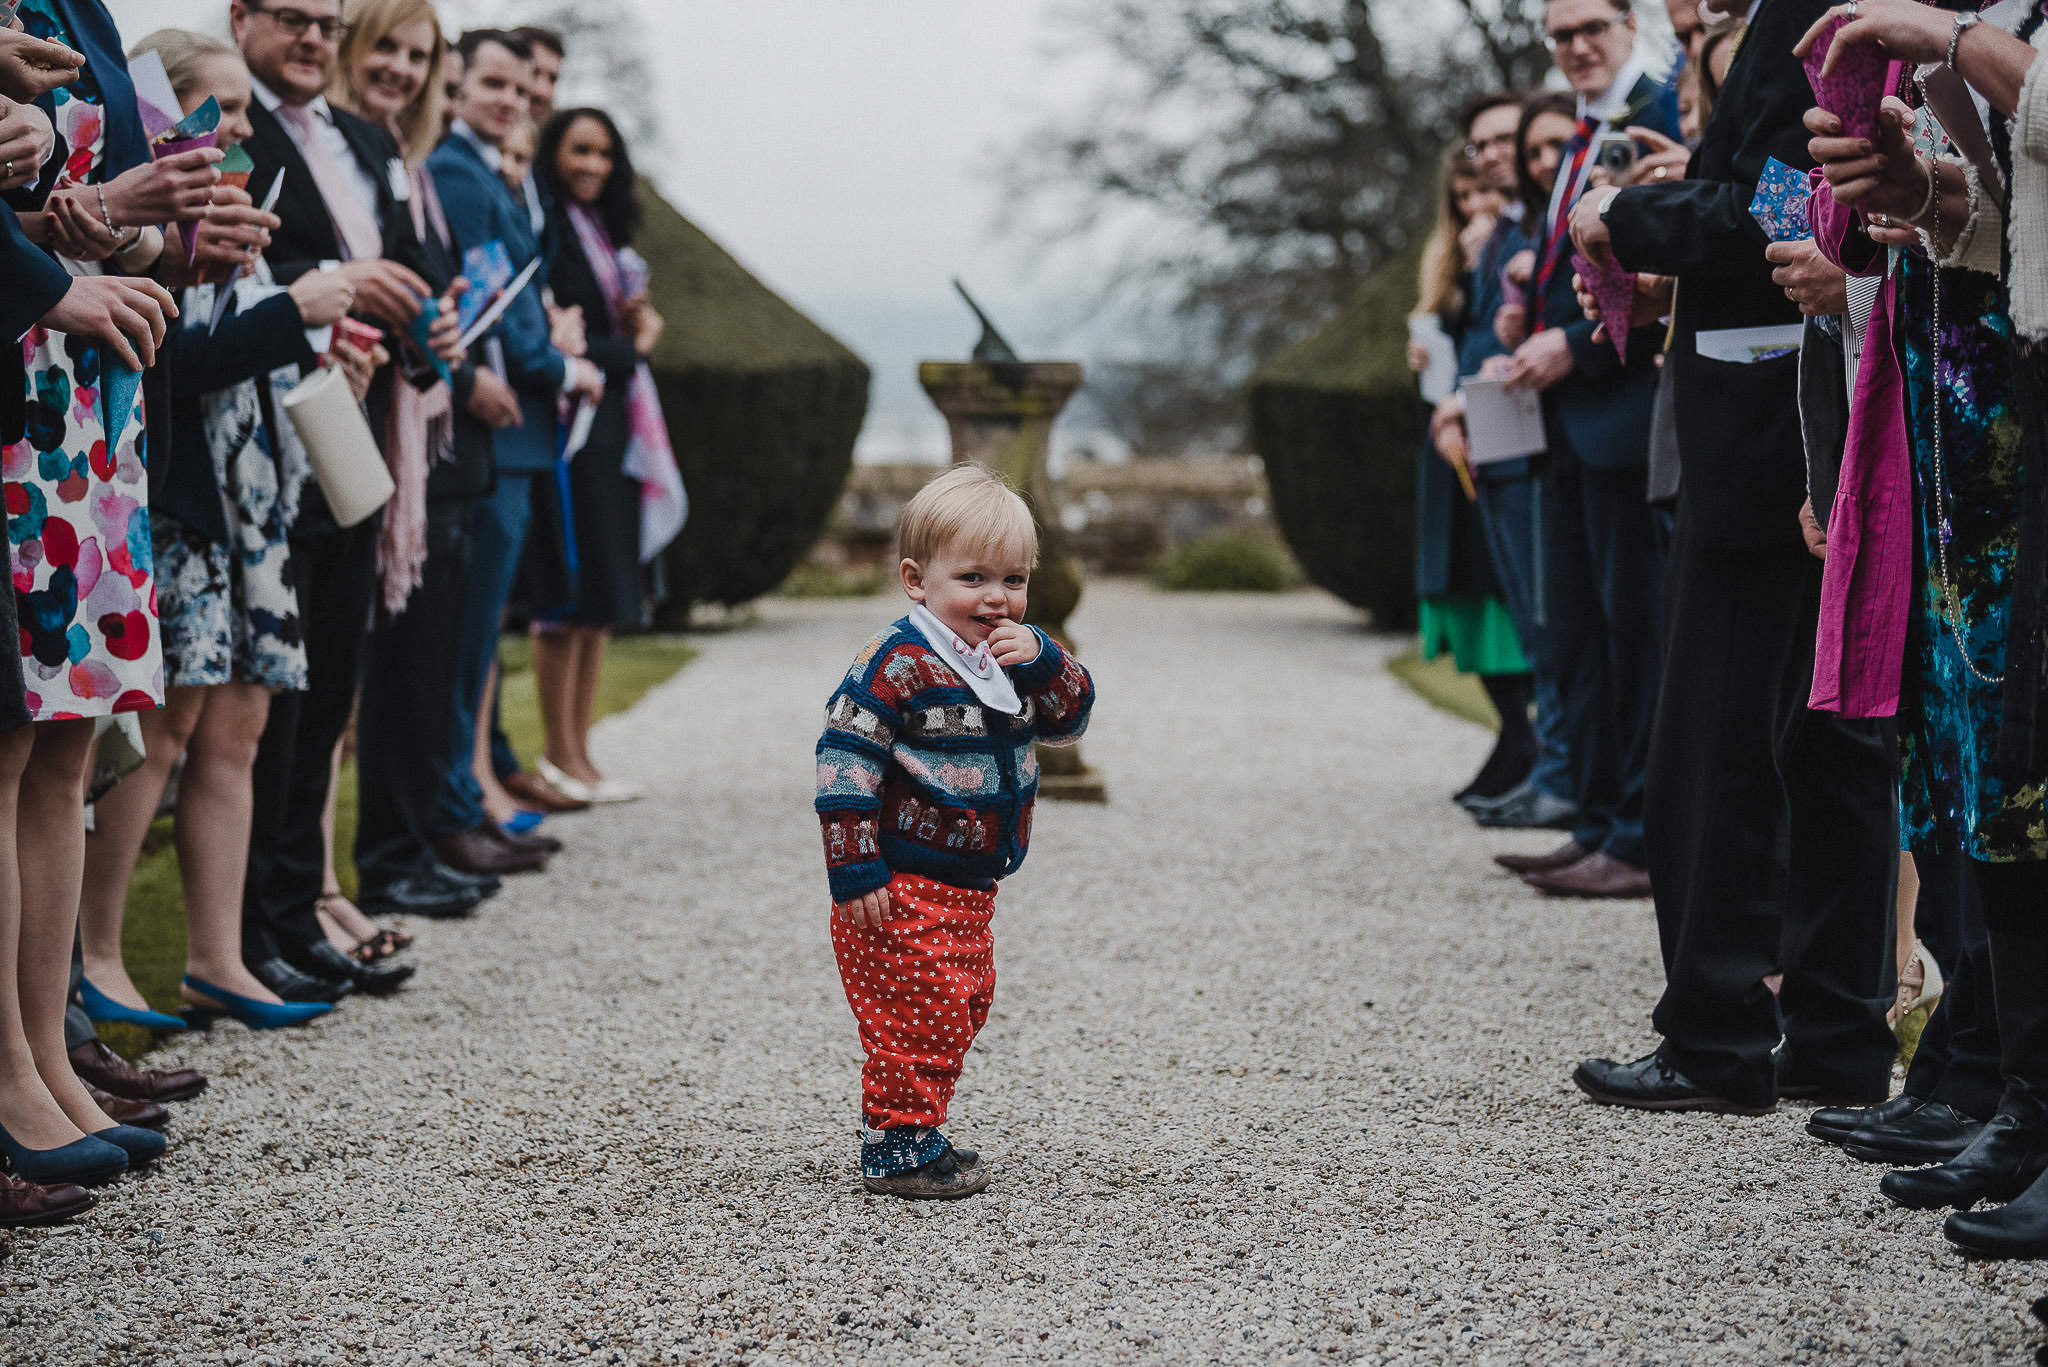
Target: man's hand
(1589,230)
(1809,531)
(33,67)
(1666,160)
(492,402)
(126,316)
(1541,361)
(174,190)
(386,291)
(1012,643)
(869,909)
(1809,279)
(26,138)
(324,297)
(1652,301)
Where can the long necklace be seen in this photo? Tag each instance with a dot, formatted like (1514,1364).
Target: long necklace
(1944,500)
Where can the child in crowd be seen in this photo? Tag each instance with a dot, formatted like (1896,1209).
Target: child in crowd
(516,155)
(926,777)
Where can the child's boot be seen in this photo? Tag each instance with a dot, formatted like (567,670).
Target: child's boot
(953,1174)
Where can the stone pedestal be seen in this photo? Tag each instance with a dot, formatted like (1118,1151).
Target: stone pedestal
(1001,414)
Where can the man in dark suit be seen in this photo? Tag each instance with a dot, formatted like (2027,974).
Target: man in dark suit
(1740,770)
(1602,564)
(341,211)
(482,209)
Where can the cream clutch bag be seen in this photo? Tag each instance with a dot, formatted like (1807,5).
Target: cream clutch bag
(344,455)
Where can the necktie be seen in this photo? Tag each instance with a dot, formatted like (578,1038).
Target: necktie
(355,223)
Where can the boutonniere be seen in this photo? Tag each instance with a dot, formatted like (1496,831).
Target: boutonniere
(1631,109)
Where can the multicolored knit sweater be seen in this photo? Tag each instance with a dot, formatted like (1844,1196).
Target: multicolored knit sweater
(915,775)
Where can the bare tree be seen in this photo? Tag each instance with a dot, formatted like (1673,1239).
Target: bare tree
(1164,410)
(1252,161)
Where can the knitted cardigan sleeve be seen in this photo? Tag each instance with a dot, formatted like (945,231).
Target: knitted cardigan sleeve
(861,723)
(1062,690)
(2028,227)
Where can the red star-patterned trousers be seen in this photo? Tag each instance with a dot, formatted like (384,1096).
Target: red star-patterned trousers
(920,988)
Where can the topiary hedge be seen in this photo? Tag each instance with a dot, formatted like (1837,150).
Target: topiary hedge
(1336,418)
(763,407)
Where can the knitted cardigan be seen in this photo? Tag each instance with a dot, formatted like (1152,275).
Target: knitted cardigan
(916,776)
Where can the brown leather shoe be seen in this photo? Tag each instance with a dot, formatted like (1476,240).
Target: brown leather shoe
(25,1203)
(122,1111)
(540,795)
(525,844)
(473,851)
(99,1066)
(1565,855)
(1597,875)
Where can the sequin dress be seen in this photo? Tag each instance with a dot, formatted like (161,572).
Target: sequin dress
(77,492)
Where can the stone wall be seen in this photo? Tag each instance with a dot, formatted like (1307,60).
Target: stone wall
(1117,518)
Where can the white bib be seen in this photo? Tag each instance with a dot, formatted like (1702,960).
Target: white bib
(976,665)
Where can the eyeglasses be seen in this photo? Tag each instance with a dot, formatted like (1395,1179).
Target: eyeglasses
(1475,150)
(296,23)
(1593,30)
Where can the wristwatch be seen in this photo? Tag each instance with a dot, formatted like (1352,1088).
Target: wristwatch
(1968,19)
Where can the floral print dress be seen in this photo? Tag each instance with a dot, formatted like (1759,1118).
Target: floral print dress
(77,492)
(1948,716)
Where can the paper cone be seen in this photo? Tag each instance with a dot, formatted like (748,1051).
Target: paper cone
(1614,294)
(1856,89)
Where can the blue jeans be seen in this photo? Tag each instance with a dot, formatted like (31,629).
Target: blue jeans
(1510,510)
(498,535)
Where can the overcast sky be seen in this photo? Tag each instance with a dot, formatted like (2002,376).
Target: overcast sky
(840,149)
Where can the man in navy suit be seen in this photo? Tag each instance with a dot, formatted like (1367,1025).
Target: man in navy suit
(1602,567)
(492,97)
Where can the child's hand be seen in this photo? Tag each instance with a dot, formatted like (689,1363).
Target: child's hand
(870,909)
(1012,644)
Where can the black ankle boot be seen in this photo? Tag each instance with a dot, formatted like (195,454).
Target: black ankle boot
(2004,1160)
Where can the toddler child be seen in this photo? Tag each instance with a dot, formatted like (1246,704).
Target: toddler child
(926,777)
(515,155)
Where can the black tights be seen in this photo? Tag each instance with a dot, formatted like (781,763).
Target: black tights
(2015,899)
(1514,751)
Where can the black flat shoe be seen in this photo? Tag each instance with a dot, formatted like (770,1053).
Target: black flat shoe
(1934,1133)
(2018,1229)
(322,959)
(1836,1124)
(2001,1162)
(294,985)
(427,895)
(1649,1084)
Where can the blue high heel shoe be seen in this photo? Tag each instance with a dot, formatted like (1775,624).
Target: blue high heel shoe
(142,1146)
(86,1162)
(524,822)
(252,1013)
(100,1007)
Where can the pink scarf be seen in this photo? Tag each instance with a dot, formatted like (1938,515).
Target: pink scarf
(664,505)
(420,431)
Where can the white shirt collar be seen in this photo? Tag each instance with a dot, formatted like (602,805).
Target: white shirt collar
(493,158)
(270,100)
(1617,94)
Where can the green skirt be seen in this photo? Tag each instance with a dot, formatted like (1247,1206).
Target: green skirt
(1477,631)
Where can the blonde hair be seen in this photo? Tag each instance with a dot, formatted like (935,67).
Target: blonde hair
(184,53)
(970,506)
(1439,282)
(370,22)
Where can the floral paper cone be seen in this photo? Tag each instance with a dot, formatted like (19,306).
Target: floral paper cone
(1614,294)
(1780,204)
(1856,89)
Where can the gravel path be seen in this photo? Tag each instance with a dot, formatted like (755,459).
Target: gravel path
(1277,1073)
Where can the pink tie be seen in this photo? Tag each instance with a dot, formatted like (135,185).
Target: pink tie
(355,223)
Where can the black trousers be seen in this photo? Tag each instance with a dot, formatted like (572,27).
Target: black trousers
(405,723)
(2015,897)
(1773,835)
(1957,1061)
(335,572)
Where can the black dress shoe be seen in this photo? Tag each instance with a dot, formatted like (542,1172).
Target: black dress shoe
(1650,1084)
(474,851)
(1934,1133)
(545,845)
(2001,1162)
(296,986)
(488,884)
(322,959)
(2018,1229)
(424,894)
(1528,810)
(1836,1123)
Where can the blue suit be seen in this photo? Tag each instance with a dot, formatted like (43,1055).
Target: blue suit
(1602,569)
(482,209)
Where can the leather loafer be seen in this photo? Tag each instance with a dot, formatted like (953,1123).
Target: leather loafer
(1532,810)
(1649,1084)
(296,985)
(473,851)
(322,960)
(147,1115)
(1836,1123)
(2018,1229)
(98,1066)
(486,883)
(427,895)
(2002,1161)
(1597,875)
(25,1203)
(524,844)
(1934,1133)
(1569,853)
(535,792)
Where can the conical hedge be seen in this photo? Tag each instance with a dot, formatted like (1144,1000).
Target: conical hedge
(763,407)
(1336,419)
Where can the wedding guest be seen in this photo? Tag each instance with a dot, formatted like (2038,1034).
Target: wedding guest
(515,155)
(549,52)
